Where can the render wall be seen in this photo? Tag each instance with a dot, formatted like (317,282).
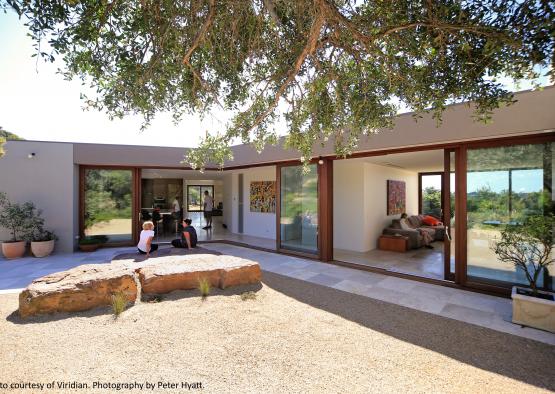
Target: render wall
(360,202)
(50,180)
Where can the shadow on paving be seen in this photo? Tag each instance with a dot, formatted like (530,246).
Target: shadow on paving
(509,355)
(163,252)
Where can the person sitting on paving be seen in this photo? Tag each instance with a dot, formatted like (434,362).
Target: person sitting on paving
(188,236)
(145,245)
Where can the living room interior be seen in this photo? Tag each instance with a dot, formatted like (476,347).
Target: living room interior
(371,193)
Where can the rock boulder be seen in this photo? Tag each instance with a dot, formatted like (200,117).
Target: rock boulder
(183,273)
(78,289)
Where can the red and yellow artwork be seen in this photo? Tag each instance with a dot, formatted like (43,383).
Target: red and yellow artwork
(263,196)
(396,197)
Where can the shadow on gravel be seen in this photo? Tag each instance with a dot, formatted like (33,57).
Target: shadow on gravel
(512,356)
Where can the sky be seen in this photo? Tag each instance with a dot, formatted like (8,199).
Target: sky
(38,104)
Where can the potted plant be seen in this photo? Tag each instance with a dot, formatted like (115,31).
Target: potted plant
(42,243)
(18,219)
(528,246)
(90,243)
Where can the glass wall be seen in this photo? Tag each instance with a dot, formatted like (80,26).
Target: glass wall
(108,196)
(195,197)
(299,209)
(430,192)
(505,185)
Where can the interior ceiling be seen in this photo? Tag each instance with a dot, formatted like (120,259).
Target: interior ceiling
(423,161)
(180,174)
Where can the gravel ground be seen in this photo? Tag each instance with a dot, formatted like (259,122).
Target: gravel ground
(293,337)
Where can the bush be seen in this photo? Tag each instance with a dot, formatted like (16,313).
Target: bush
(528,246)
(93,240)
(20,219)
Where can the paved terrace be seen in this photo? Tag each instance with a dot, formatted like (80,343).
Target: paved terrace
(474,308)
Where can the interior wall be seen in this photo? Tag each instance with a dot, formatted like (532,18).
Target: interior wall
(360,202)
(256,224)
(375,199)
(348,204)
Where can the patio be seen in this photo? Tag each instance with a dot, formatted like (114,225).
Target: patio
(474,308)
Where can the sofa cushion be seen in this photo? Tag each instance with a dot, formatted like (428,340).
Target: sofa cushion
(414,221)
(430,221)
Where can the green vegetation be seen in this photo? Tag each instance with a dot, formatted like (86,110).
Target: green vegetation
(93,240)
(334,71)
(22,220)
(119,303)
(431,201)
(107,195)
(528,246)
(6,136)
(204,287)
(248,295)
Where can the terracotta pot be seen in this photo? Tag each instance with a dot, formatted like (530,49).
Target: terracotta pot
(13,250)
(43,248)
(89,247)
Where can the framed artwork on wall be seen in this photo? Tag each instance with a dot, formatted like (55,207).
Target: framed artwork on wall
(396,197)
(263,196)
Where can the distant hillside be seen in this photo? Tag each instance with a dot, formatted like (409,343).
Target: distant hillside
(5,134)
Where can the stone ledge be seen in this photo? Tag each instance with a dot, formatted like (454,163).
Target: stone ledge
(78,289)
(183,273)
(92,285)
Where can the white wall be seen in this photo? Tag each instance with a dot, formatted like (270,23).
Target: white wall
(360,202)
(257,224)
(49,180)
(227,199)
(348,204)
(375,197)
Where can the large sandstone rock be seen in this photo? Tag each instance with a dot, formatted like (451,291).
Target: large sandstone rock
(183,273)
(78,289)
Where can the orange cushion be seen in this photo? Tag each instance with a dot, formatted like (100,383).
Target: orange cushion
(430,221)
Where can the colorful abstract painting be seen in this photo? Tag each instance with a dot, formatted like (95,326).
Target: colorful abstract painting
(396,197)
(263,196)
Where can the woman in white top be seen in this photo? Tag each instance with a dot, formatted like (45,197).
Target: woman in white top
(145,245)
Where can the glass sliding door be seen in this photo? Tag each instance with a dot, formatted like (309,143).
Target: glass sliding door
(108,195)
(299,209)
(505,185)
(431,185)
(195,197)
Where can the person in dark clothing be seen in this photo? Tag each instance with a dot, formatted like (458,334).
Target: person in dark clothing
(188,236)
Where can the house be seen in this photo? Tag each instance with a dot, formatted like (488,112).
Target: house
(472,176)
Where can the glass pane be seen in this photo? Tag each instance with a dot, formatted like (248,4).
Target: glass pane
(505,185)
(194,201)
(299,209)
(108,196)
(210,190)
(431,195)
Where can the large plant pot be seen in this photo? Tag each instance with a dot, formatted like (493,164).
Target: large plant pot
(533,311)
(89,247)
(43,248)
(13,250)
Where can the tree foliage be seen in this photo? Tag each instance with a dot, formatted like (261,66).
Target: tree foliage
(334,69)
(5,135)
(528,246)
